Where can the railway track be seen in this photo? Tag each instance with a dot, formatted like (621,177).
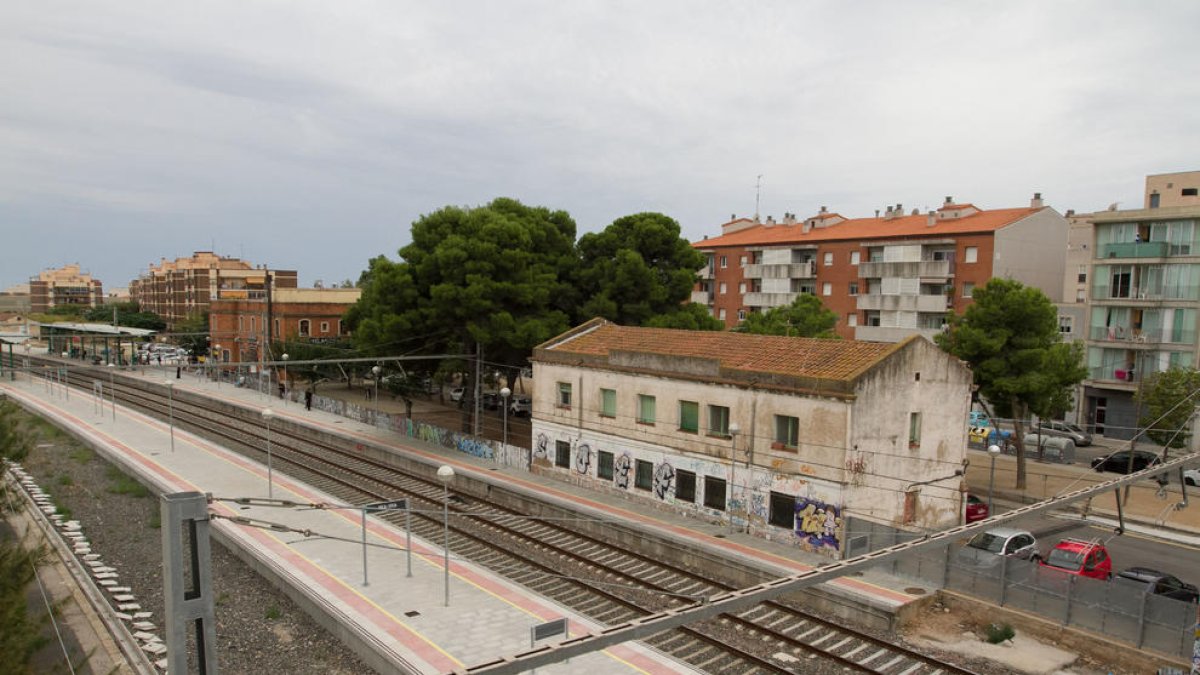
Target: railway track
(595,578)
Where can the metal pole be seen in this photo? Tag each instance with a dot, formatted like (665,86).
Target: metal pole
(733,434)
(408,534)
(66,383)
(171,411)
(364,540)
(446,525)
(991,483)
(112,393)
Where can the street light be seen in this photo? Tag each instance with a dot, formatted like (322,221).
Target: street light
(218,359)
(504,394)
(171,410)
(375,370)
(285,378)
(445,473)
(734,430)
(993,450)
(267,414)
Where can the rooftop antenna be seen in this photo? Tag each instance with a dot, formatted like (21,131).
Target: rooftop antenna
(757,194)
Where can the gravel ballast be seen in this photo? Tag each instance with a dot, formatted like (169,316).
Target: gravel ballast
(258,628)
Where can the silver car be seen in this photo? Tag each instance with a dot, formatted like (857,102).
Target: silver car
(986,548)
(1063,430)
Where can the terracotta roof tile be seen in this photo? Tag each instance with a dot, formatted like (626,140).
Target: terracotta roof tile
(871,228)
(840,360)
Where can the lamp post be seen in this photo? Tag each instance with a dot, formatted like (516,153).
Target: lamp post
(285,377)
(445,473)
(375,371)
(267,414)
(504,394)
(218,364)
(734,430)
(993,450)
(171,410)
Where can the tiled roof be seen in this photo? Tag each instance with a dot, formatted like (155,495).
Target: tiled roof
(871,228)
(842,360)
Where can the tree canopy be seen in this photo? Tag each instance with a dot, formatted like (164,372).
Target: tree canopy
(636,269)
(1167,401)
(691,316)
(129,314)
(1009,338)
(805,317)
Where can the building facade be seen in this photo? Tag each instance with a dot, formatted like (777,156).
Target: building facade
(792,439)
(185,287)
(1144,294)
(65,286)
(886,277)
(238,326)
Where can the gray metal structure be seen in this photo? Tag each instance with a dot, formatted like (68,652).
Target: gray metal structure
(187,582)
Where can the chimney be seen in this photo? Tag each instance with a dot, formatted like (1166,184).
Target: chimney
(931,218)
(876,213)
(733,216)
(949,200)
(1070,212)
(916,212)
(770,220)
(824,209)
(1036,202)
(789,218)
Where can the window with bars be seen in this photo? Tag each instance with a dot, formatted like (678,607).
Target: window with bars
(604,465)
(714,493)
(685,486)
(562,454)
(643,478)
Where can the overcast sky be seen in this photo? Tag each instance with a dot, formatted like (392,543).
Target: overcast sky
(308,135)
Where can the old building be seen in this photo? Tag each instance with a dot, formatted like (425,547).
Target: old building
(798,440)
(886,277)
(177,289)
(1144,271)
(239,325)
(64,286)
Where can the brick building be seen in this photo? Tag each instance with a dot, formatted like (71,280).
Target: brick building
(886,277)
(64,286)
(177,289)
(239,325)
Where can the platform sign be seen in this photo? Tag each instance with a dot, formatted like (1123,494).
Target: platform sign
(394,505)
(546,630)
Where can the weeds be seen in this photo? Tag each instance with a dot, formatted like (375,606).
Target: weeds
(124,485)
(273,613)
(999,632)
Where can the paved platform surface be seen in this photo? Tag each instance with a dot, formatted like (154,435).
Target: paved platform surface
(406,617)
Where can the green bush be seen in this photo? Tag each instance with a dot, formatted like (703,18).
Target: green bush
(20,633)
(273,613)
(124,485)
(999,632)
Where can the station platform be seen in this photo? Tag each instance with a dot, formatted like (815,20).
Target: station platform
(488,616)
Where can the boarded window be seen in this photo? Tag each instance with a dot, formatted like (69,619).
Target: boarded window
(646,409)
(608,402)
(689,416)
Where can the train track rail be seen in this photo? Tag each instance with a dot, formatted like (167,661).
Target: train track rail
(607,583)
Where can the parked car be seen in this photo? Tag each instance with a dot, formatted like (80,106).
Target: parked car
(977,509)
(1192,477)
(1118,462)
(985,548)
(1159,583)
(456,394)
(521,406)
(1077,556)
(490,400)
(1064,430)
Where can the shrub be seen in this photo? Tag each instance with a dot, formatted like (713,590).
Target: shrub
(999,632)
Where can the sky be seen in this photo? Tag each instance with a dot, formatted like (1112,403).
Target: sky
(310,134)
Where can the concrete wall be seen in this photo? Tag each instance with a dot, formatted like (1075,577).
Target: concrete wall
(1033,252)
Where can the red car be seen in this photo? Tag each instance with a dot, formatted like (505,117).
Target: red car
(1076,556)
(977,509)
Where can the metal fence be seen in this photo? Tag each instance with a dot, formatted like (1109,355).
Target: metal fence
(1122,611)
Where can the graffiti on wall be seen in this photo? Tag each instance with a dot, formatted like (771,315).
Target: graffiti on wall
(475,447)
(539,448)
(623,470)
(818,523)
(449,439)
(583,458)
(664,478)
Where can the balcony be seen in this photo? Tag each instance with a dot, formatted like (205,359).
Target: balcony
(1135,249)
(904,303)
(891,333)
(702,297)
(706,272)
(1122,334)
(800,270)
(913,269)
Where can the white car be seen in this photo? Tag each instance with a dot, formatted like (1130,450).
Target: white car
(1192,477)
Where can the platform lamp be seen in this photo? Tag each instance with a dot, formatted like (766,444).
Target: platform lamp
(285,377)
(267,414)
(375,371)
(993,451)
(218,364)
(734,430)
(504,394)
(445,473)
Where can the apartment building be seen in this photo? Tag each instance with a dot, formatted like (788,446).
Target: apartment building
(886,277)
(177,289)
(63,286)
(799,440)
(1144,288)
(238,326)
